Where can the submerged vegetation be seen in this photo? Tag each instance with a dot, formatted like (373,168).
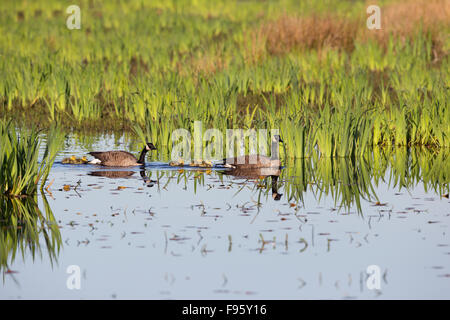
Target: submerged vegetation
(312,69)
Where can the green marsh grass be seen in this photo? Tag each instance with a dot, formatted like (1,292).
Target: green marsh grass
(20,170)
(162,65)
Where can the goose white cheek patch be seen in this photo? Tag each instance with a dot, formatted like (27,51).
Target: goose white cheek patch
(95,161)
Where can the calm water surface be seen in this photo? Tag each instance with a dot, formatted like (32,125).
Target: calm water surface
(169,234)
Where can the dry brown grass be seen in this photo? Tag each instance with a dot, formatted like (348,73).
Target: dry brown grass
(314,32)
(203,64)
(209,64)
(405,19)
(255,46)
(402,20)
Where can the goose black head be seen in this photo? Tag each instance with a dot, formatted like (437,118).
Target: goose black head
(149,146)
(277,138)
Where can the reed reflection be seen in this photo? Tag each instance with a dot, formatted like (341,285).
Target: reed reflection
(22,225)
(349,181)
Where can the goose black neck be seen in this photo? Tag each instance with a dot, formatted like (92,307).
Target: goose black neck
(275,150)
(142,156)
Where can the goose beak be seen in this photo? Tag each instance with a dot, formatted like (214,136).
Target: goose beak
(150,146)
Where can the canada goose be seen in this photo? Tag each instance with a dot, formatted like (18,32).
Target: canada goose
(201,163)
(179,163)
(256,161)
(120,158)
(74,160)
(197,163)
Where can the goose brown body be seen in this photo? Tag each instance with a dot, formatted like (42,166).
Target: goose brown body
(120,158)
(115,158)
(252,162)
(256,161)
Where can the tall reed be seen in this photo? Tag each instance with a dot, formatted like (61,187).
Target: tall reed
(20,170)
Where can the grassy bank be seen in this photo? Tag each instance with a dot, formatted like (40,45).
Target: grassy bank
(312,69)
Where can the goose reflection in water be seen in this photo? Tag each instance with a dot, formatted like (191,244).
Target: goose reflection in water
(121,174)
(238,173)
(111,174)
(258,173)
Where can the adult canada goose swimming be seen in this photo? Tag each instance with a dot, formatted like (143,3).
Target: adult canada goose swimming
(256,161)
(121,158)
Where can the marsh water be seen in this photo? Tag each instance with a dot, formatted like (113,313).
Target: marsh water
(172,233)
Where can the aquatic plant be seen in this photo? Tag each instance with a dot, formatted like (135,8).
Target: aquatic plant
(332,86)
(20,170)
